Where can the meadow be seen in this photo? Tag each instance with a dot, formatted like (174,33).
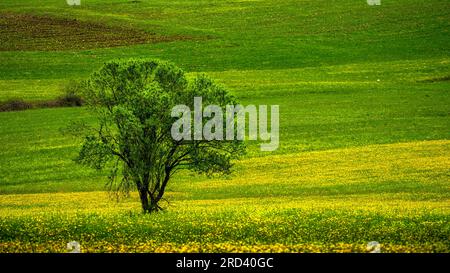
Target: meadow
(364,115)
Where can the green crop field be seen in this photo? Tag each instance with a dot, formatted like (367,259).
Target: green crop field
(364,97)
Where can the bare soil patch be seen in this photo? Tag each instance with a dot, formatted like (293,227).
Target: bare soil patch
(44,33)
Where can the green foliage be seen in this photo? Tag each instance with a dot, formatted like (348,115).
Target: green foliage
(71,94)
(15,105)
(132,101)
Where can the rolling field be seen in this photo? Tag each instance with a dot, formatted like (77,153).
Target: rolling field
(364,97)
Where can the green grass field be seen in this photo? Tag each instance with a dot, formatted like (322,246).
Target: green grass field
(364,97)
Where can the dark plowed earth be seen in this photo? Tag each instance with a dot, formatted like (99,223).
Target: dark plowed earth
(43,33)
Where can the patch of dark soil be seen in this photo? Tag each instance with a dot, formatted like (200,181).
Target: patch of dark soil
(44,33)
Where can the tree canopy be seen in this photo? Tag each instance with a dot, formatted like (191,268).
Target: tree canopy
(132,101)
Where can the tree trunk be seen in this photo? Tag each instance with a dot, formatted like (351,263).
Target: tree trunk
(149,203)
(144,200)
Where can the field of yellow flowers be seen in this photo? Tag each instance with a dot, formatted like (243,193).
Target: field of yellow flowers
(322,201)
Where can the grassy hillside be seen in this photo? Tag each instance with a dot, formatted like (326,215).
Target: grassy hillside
(364,142)
(232,35)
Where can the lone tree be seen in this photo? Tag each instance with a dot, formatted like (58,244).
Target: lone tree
(132,101)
